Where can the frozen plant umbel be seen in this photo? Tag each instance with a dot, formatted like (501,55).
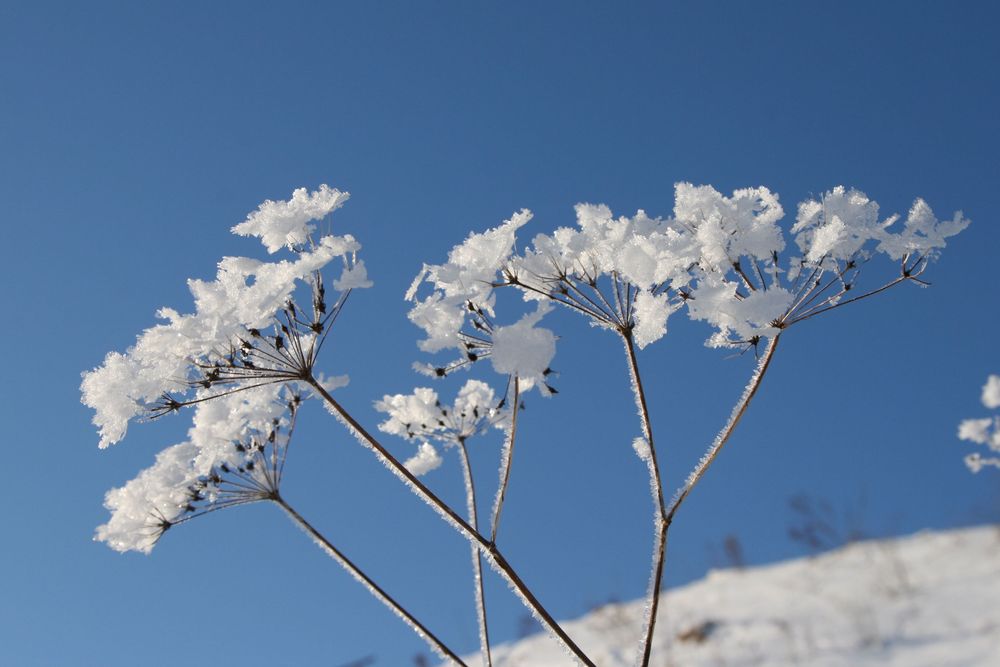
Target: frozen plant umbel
(241,361)
(984,431)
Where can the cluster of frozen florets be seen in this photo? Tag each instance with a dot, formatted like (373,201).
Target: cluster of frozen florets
(719,256)
(985,431)
(233,359)
(234,455)
(423,418)
(246,329)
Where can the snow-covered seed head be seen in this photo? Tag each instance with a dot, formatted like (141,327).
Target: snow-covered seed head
(198,477)
(422,417)
(247,329)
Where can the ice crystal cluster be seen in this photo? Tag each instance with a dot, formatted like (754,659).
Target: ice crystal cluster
(233,360)
(984,431)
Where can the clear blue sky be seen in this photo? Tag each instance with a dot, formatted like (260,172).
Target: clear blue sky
(133,135)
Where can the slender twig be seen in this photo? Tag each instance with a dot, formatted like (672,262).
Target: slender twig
(656,488)
(374,588)
(813,313)
(720,440)
(488,549)
(477,558)
(506,456)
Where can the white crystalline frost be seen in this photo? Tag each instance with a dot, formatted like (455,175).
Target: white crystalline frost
(651,312)
(523,349)
(467,276)
(287,223)
(991,392)
(407,411)
(985,431)
(425,460)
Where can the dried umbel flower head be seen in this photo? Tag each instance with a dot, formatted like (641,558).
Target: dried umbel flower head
(247,330)
(210,471)
(422,417)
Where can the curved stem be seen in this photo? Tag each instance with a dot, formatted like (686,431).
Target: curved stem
(656,489)
(508,453)
(477,562)
(488,549)
(436,644)
(720,440)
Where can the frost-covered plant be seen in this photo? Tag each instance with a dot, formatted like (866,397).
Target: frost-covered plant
(420,416)
(985,431)
(251,348)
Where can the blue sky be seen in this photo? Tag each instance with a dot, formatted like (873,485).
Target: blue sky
(133,135)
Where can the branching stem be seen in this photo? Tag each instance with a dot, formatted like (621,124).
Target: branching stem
(487,548)
(720,440)
(508,454)
(656,488)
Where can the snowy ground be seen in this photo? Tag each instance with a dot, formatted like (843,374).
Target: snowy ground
(929,600)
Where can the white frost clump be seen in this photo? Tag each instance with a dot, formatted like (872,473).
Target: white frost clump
(287,223)
(425,460)
(839,226)
(991,392)
(525,350)
(984,431)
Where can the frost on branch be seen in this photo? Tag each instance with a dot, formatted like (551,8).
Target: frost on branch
(985,431)
(225,342)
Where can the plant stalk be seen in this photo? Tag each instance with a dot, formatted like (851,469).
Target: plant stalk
(508,453)
(656,489)
(436,644)
(477,562)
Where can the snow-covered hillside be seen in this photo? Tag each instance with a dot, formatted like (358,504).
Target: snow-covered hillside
(929,600)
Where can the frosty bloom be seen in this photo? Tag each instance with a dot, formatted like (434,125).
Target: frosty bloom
(225,342)
(234,455)
(984,431)
(623,273)
(739,286)
(287,223)
(421,416)
(467,277)
(463,298)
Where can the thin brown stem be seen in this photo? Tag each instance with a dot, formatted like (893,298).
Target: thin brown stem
(488,549)
(727,431)
(477,558)
(656,488)
(507,456)
(386,599)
